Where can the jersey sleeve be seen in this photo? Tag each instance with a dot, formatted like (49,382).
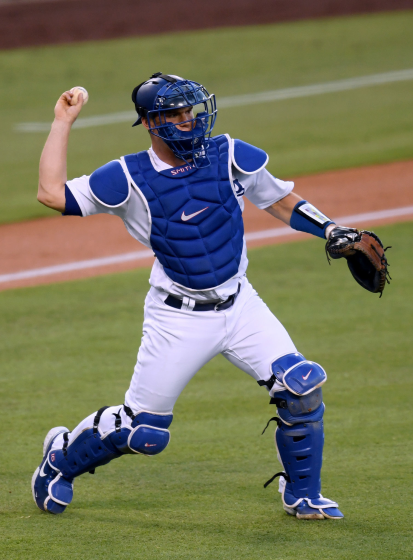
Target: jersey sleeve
(79,190)
(133,212)
(262,188)
(72,208)
(106,190)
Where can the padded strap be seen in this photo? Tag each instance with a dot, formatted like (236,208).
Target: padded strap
(128,412)
(164,77)
(109,185)
(96,419)
(269,383)
(282,473)
(247,158)
(65,442)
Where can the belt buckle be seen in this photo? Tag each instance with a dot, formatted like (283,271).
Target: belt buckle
(231,298)
(216,307)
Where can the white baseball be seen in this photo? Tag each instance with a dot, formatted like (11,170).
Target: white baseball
(76,91)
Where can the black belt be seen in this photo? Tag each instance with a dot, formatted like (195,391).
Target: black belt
(175,302)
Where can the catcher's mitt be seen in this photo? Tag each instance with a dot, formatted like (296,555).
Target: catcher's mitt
(365,256)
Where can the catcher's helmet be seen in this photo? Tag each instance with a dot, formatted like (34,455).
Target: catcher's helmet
(162,93)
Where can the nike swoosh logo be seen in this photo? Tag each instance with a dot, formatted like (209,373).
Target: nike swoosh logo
(185,218)
(306,377)
(42,473)
(150,444)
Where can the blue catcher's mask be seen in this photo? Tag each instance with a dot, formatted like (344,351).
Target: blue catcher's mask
(163,93)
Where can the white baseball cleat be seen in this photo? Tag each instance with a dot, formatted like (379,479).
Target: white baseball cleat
(45,476)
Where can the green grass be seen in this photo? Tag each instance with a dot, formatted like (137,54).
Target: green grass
(338,130)
(70,348)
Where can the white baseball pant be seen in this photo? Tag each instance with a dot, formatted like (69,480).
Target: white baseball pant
(176,343)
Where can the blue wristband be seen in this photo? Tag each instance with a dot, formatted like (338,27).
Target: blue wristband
(305,217)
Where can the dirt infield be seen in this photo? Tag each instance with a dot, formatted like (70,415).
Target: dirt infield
(34,245)
(43,22)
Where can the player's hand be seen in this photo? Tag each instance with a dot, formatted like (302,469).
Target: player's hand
(340,229)
(66,112)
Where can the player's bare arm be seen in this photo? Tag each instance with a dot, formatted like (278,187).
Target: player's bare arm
(53,161)
(283,210)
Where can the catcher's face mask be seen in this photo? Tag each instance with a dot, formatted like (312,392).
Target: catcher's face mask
(161,98)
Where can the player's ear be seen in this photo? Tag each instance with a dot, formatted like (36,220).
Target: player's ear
(145,123)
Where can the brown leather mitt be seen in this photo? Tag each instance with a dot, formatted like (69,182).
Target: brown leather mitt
(365,256)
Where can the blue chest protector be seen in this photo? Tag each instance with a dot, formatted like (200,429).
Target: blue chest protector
(197,229)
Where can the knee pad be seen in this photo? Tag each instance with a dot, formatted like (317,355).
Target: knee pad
(149,434)
(296,374)
(296,389)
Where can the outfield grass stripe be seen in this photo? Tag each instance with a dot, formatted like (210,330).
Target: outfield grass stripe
(248,99)
(139,255)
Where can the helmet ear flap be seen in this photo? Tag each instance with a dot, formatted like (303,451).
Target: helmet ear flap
(137,107)
(135,92)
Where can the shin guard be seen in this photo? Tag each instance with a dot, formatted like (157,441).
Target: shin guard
(301,450)
(52,482)
(299,437)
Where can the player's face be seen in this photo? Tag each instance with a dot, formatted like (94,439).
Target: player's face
(178,117)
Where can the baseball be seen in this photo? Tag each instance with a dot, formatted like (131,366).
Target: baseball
(76,91)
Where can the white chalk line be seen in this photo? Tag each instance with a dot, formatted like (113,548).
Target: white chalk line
(248,99)
(344,220)
(139,255)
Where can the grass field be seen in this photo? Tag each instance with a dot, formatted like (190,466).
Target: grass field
(68,349)
(370,125)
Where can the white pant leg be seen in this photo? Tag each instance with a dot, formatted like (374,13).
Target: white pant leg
(255,336)
(175,345)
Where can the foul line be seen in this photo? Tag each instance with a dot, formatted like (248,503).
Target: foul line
(352,219)
(248,99)
(139,255)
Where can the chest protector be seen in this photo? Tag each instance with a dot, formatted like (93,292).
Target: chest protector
(197,229)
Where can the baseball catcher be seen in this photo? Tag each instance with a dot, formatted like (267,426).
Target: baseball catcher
(183,198)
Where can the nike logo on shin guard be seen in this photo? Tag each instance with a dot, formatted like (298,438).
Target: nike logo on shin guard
(306,377)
